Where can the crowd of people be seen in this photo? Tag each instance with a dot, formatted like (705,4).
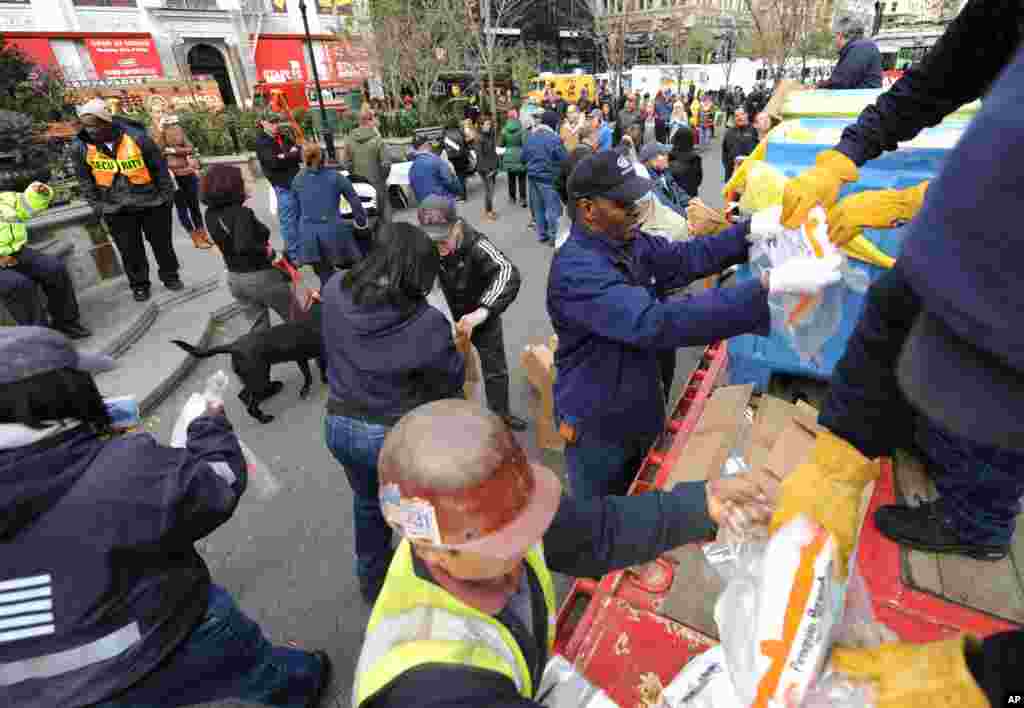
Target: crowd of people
(124,611)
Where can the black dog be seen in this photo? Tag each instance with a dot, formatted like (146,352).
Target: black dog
(253,354)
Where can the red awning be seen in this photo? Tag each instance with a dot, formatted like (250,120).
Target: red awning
(347,63)
(280,60)
(37,49)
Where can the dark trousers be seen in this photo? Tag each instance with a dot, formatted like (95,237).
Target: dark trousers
(489,342)
(488,178)
(226,656)
(18,289)
(980,486)
(186,200)
(127,228)
(517,187)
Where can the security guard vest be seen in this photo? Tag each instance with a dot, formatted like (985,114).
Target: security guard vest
(128,162)
(416,622)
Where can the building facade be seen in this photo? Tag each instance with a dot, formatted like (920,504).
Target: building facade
(238,43)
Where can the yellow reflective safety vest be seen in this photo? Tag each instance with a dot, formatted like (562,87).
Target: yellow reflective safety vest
(15,209)
(417,622)
(128,161)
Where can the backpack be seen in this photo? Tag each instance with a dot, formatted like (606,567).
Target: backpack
(455,146)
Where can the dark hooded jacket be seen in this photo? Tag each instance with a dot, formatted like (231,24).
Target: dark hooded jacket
(383,360)
(99,564)
(685,164)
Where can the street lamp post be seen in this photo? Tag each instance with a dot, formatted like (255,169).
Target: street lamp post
(328,135)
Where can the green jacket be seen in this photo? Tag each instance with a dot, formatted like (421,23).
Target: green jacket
(368,154)
(512,138)
(15,209)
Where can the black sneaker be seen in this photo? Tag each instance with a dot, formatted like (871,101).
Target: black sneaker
(325,678)
(174,284)
(514,422)
(923,529)
(141,293)
(74,330)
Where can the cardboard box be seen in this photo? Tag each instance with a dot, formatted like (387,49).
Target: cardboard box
(539,362)
(715,435)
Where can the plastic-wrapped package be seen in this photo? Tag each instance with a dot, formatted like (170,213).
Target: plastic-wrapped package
(260,476)
(563,686)
(808,321)
(703,683)
(777,616)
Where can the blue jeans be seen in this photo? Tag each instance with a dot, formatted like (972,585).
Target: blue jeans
(226,656)
(546,206)
(597,468)
(288,215)
(705,136)
(356,445)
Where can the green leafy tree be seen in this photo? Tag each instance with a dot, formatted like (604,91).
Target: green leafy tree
(38,92)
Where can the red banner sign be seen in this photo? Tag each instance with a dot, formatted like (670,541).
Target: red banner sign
(122,57)
(280,60)
(346,63)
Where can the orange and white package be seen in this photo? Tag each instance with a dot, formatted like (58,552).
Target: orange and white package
(791,599)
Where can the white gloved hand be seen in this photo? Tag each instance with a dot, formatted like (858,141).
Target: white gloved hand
(766,223)
(805,276)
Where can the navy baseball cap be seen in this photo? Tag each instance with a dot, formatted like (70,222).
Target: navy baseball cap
(652,150)
(30,351)
(610,175)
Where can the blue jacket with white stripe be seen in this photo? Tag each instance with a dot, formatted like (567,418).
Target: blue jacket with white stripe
(477,274)
(100,579)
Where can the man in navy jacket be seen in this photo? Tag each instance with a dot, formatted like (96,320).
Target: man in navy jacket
(604,300)
(430,174)
(544,155)
(860,62)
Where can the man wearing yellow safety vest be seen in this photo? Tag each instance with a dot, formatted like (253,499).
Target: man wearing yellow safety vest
(466,614)
(124,177)
(22,269)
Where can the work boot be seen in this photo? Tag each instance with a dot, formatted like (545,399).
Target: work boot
(174,284)
(514,422)
(73,330)
(141,293)
(923,528)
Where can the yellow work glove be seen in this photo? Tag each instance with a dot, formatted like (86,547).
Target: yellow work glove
(828,489)
(911,675)
(879,209)
(818,185)
(738,182)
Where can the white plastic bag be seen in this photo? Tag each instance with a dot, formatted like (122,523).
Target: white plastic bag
(271,199)
(264,482)
(807,321)
(563,686)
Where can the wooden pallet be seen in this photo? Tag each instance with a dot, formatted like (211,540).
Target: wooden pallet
(995,588)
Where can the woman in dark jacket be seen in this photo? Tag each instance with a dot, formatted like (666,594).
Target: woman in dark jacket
(388,351)
(325,240)
(487,165)
(244,242)
(684,163)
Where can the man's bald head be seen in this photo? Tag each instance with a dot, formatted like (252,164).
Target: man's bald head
(447,444)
